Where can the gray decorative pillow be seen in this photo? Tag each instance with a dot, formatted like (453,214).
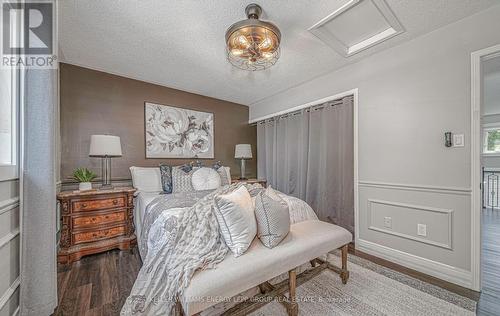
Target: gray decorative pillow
(166,178)
(181,180)
(273,218)
(225,175)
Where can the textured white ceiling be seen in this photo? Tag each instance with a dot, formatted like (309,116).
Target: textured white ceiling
(180,43)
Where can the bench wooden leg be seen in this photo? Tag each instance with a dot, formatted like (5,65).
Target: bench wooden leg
(293,308)
(344,274)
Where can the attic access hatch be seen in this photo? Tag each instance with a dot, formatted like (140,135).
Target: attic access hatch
(357,25)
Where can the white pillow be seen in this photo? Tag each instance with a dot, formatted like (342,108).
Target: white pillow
(146,179)
(236,218)
(205,179)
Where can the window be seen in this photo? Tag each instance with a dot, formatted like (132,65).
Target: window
(491,142)
(8,123)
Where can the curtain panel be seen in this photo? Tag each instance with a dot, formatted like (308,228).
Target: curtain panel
(38,289)
(310,154)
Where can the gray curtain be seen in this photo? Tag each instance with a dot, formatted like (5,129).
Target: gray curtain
(38,225)
(309,154)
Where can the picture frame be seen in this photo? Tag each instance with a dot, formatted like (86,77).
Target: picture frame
(174,132)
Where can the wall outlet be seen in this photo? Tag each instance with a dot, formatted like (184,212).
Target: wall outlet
(422,230)
(458,140)
(388,222)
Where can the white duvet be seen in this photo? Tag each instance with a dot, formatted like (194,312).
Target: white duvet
(299,211)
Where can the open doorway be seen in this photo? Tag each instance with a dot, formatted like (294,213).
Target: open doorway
(485,141)
(490,152)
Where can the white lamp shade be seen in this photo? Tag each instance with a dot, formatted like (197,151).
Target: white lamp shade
(243,151)
(105,145)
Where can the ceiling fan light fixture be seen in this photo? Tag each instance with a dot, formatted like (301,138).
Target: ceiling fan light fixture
(253,44)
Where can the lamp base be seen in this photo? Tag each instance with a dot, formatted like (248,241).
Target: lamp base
(106,173)
(242,169)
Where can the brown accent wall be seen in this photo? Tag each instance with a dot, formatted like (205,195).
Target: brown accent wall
(94,102)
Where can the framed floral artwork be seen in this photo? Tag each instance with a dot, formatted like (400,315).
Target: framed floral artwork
(173,132)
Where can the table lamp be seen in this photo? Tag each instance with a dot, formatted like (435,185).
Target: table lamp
(105,147)
(243,152)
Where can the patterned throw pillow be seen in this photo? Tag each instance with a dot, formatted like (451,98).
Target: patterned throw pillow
(217,165)
(273,218)
(186,168)
(225,175)
(181,180)
(166,178)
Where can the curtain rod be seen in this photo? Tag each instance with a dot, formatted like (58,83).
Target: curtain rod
(299,111)
(353,92)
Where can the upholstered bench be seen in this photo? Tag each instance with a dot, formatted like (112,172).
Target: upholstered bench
(306,242)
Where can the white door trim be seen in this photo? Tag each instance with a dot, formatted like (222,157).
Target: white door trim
(476,58)
(356,161)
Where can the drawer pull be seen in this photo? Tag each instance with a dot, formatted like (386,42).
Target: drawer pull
(115,202)
(84,204)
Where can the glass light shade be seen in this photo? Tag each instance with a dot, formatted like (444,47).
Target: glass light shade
(253,44)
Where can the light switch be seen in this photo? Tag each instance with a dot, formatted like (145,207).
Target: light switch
(458,140)
(422,230)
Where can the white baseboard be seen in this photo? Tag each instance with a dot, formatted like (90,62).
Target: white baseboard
(433,268)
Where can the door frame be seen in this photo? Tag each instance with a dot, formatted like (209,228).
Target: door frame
(476,144)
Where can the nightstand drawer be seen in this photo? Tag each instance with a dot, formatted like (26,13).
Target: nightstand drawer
(102,219)
(91,205)
(98,234)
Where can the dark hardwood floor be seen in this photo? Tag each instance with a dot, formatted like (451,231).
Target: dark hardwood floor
(99,284)
(489,301)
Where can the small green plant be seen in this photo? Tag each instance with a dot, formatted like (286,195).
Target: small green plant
(83,175)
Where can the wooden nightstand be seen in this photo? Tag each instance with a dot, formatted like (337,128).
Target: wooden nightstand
(262,182)
(95,221)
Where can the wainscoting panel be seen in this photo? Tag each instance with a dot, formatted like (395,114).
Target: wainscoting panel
(9,248)
(444,251)
(402,217)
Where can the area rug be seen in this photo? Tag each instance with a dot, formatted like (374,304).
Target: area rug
(372,290)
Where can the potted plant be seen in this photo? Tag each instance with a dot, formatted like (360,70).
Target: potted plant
(84,176)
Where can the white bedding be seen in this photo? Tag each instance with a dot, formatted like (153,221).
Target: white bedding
(299,211)
(141,201)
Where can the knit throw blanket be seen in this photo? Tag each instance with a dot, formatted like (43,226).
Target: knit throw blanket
(194,244)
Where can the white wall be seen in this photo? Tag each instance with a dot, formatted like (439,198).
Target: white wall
(408,97)
(9,247)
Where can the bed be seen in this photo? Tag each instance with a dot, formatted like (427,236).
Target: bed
(141,201)
(178,237)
